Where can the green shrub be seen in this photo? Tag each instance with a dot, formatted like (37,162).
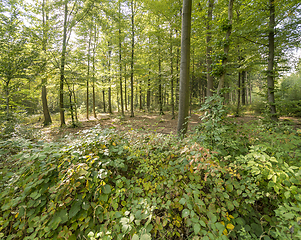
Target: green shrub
(103,184)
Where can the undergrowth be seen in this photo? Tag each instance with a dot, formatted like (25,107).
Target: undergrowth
(227,181)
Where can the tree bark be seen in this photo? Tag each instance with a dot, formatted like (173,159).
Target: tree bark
(7,98)
(209,91)
(132,59)
(125,89)
(172,76)
(47,118)
(62,70)
(88,77)
(160,80)
(110,92)
(270,71)
(226,47)
(93,77)
(238,94)
(243,88)
(120,63)
(184,69)
(104,101)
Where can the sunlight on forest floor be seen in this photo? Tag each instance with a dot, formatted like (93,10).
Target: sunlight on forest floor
(141,122)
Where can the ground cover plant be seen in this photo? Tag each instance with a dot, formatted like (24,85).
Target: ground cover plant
(240,182)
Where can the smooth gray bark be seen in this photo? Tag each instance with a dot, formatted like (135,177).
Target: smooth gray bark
(184,68)
(270,71)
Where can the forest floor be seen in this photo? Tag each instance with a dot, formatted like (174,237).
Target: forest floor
(143,122)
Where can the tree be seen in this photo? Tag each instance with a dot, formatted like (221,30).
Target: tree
(16,52)
(209,91)
(45,28)
(270,71)
(184,68)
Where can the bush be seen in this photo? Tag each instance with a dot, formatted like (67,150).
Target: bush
(103,184)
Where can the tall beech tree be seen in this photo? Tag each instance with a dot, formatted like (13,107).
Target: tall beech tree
(185,65)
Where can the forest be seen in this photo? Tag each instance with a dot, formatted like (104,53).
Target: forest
(150,119)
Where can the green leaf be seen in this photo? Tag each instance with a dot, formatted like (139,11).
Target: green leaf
(63,215)
(196,228)
(182,201)
(288,215)
(287,194)
(203,223)
(145,237)
(185,213)
(106,189)
(75,208)
(135,237)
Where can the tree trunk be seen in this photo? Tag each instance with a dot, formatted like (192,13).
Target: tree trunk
(110,92)
(243,88)
(62,70)
(93,77)
(104,101)
(171,76)
(209,91)
(148,97)
(270,71)
(132,59)
(7,99)
(184,71)
(88,76)
(160,81)
(226,47)
(47,118)
(238,95)
(120,63)
(177,69)
(125,89)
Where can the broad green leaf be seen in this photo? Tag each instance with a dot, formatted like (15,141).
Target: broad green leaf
(185,213)
(145,237)
(196,228)
(135,237)
(75,208)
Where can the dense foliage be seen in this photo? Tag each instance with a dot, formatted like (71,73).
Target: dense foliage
(241,181)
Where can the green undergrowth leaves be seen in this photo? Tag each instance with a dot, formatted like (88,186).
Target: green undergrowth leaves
(104,184)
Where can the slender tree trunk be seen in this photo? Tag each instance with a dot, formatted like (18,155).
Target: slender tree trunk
(120,63)
(110,91)
(238,94)
(104,101)
(75,102)
(160,80)
(140,97)
(171,76)
(62,70)
(93,77)
(125,89)
(148,97)
(7,98)
(185,65)
(47,118)
(270,71)
(250,95)
(132,59)
(243,88)
(71,108)
(209,49)
(88,77)
(226,47)
(178,75)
